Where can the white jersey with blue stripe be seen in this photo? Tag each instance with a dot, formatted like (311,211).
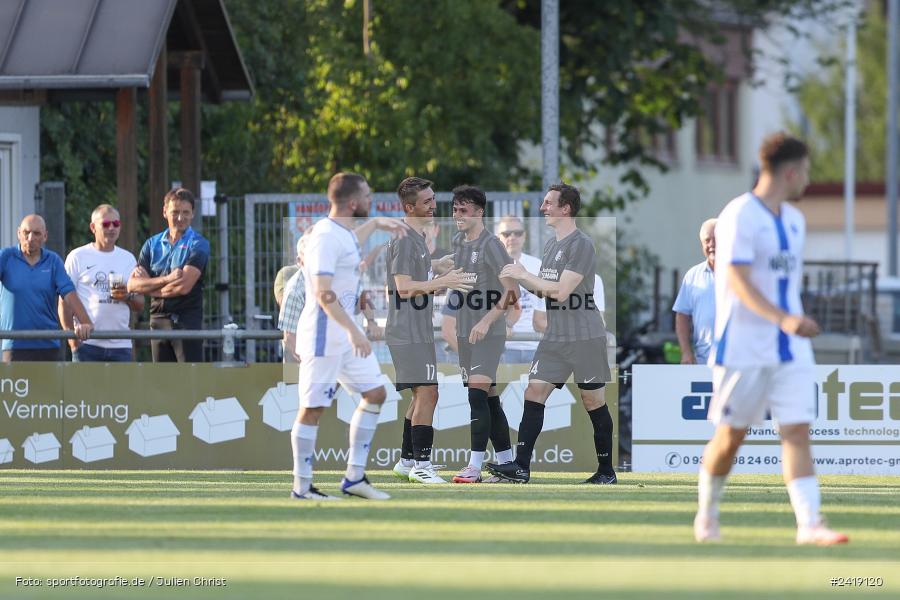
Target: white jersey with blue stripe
(332,250)
(748,233)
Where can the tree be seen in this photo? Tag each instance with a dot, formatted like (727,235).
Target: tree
(823,102)
(448,91)
(629,70)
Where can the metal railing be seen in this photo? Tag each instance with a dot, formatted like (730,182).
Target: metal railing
(227,335)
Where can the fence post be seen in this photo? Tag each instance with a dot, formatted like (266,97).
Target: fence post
(250,272)
(222,286)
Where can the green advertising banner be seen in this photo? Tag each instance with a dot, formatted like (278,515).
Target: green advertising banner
(207,416)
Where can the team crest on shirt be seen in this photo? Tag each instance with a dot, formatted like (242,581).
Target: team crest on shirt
(558,256)
(474,257)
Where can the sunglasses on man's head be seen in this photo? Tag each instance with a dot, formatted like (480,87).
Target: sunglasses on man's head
(515,232)
(107,224)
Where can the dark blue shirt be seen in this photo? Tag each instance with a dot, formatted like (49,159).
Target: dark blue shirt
(159,257)
(28,295)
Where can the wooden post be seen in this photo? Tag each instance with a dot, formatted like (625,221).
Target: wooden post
(126,166)
(159,143)
(191,70)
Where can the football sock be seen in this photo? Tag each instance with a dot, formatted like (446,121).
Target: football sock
(406,448)
(709,492)
(804,494)
(505,456)
(303,444)
(499,426)
(480,427)
(362,430)
(422,439)
(603,436)
(529,430)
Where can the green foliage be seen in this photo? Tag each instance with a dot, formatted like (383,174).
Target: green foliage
(448,91)
(822,99)
(78,146)
(631,69)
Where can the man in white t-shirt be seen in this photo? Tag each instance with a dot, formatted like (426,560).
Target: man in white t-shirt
(100,271)
(511,231)
(330,345)
(762,359)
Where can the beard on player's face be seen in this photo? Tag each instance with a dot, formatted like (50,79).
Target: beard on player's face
(361,211)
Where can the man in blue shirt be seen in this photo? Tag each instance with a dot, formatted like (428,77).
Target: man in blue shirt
(32,279)
(695,306)
(170,270)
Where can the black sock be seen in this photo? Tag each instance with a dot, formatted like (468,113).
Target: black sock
(529,430)
(481,419)
(603,436)
(406,449)
(422,439)
(499,425)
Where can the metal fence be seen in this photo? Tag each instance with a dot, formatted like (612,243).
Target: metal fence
(228,337)
(251,240)
(266,245)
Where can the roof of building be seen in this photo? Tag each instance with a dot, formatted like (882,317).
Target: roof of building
(108,44)
(220,412)
(153,428)
(93,437)
(42,441)
(284,397)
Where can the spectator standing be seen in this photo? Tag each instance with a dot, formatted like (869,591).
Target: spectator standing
(511,231)
(695,305)
(170,270)
(292,304)
(31,280)
(100,272)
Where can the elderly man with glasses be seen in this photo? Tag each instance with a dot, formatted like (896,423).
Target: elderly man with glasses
(100,271)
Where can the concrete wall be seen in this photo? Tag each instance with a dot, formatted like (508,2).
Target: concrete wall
(22,121)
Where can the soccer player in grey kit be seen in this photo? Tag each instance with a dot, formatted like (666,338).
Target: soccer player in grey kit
(575,340)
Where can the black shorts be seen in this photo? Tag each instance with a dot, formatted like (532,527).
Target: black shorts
(415,365)
(482,358)
(555,361)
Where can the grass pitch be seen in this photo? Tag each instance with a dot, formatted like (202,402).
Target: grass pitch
(547,539)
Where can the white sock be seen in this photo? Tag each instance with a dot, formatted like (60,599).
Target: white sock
(476,459)
(362,430)
(407,462)
(423,464)
(804,493)
(709,492)
(505,456)
(303,443)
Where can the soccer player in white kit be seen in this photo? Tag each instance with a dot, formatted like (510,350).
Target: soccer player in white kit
(330,344)
(762,358)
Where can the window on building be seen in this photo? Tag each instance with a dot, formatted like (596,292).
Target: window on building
(717,125)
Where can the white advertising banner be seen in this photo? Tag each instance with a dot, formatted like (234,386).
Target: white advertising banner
(856,430)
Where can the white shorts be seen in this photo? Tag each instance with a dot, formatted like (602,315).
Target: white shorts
(743,396)
(318,374)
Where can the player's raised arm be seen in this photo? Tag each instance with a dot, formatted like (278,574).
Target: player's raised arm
(396,227)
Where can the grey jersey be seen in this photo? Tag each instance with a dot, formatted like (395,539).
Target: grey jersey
(482,259)
(576,318)
(408,319)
